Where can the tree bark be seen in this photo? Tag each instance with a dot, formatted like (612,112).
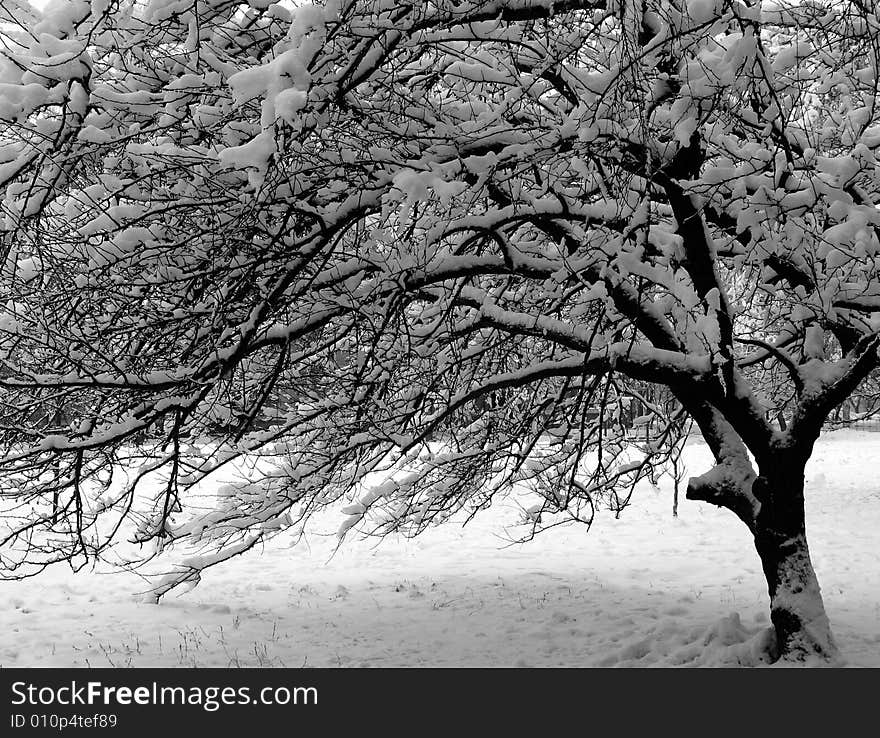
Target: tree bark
(797,610)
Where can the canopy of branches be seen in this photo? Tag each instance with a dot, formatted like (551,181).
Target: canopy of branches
(462,237)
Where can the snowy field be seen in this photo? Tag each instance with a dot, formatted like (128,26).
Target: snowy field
(644,590)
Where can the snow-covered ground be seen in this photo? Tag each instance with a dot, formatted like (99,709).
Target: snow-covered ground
(644,590)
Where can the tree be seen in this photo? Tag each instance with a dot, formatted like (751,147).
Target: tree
(452,240)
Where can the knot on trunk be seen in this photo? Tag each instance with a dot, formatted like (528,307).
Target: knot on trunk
(781,500)
(762,490)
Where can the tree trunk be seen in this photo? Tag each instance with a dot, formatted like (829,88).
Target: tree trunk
(796,607)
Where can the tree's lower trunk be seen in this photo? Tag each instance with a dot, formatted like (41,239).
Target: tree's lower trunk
(796,607)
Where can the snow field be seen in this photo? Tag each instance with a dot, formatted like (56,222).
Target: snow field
(644,590)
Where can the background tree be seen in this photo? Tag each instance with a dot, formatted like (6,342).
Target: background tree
(449,240)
